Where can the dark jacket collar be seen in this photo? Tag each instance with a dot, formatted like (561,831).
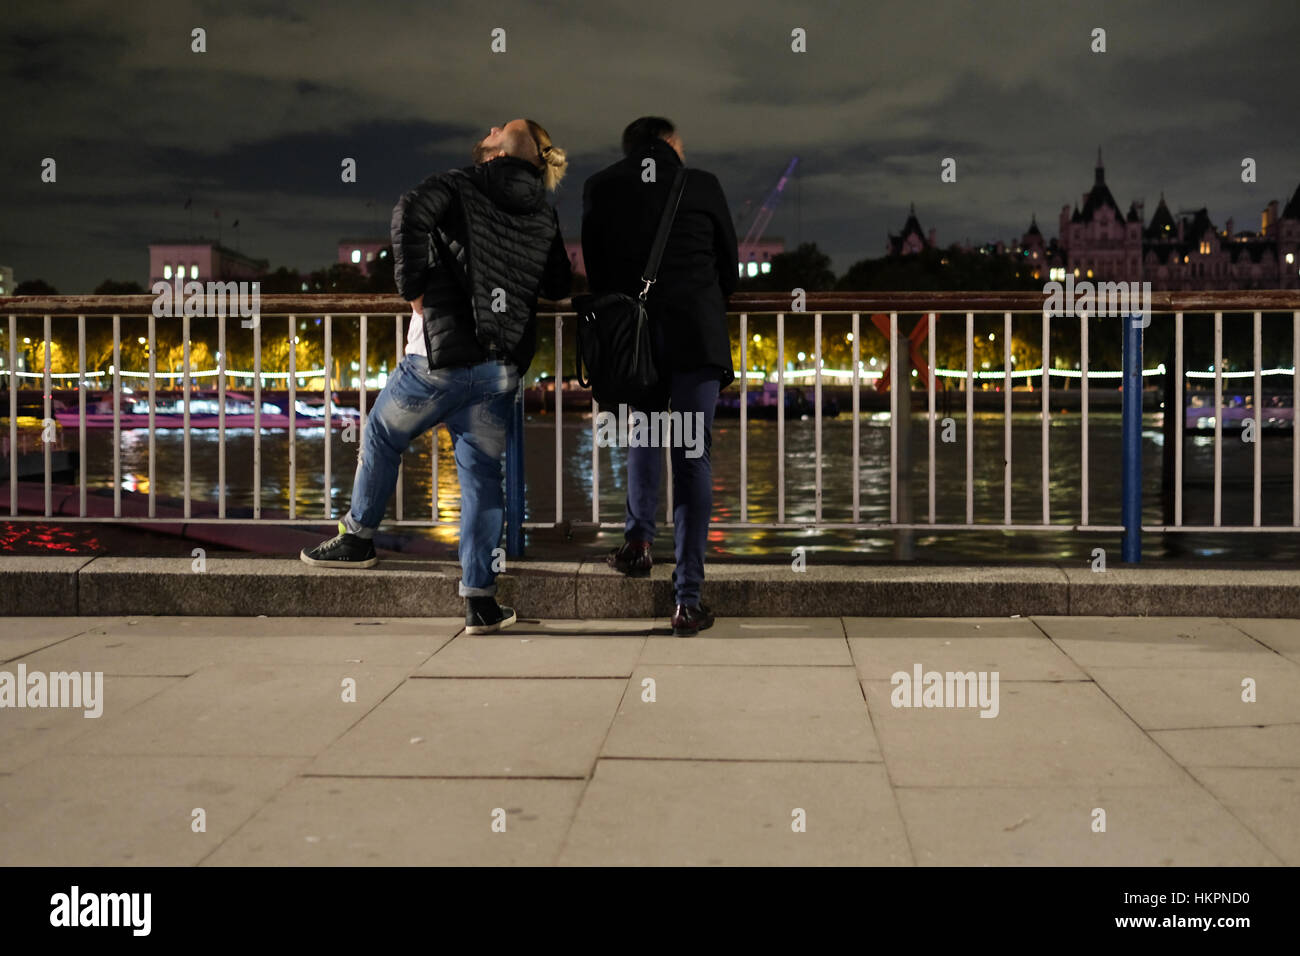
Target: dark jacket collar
(660,151)
(514,184)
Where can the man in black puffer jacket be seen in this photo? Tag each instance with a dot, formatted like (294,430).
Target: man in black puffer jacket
(473,249)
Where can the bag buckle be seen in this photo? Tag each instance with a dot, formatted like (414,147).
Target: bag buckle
(648,284)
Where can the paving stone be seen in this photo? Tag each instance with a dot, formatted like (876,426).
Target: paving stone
(455,727)
(706,650)
(130,811)
(943,627)
(22,635)
(1152,642)
(1045,734)
(1265,800)
(1281,635)
(1007,826)
(707,813)
(127,650)
(30,734)
(507,654)
(1276,745)
(744,713)
(1197,697)
(1014,658)
(331,821)
(248,710)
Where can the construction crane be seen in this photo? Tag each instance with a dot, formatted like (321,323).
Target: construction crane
(749,245)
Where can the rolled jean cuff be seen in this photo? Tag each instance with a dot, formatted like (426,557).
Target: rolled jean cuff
(355,527)
(489,591)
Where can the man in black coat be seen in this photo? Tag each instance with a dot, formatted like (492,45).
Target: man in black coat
(472,250)
(687,305)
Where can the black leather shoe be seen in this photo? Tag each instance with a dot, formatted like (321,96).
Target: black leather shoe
(689,621)
(633,559)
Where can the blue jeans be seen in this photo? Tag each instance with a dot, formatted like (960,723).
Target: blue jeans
(692,485)
(474,403)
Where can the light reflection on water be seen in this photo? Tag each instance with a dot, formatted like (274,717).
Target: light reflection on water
(800,480)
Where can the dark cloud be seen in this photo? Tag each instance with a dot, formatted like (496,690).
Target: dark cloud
(258,125)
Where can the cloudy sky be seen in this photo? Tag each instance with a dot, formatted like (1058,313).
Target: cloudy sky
(258,125)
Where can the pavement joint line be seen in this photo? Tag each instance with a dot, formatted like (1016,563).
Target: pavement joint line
(1281,723)
(520,677)
(591,770)
(243,823)
(1259,837)
(431,776)
(807,760)
(880,746)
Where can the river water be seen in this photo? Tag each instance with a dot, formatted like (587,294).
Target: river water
(800,482)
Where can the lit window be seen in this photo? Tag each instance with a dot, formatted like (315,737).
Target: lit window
(194,270)
(753,269)
(765,268)
(1089,273)
(167,271)
(356,255)
(740,269)
(1290,258)
(369,256)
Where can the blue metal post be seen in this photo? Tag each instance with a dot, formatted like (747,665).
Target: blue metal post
(1131,467)
(515,477)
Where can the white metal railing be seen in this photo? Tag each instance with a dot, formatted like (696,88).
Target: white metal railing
(947,305)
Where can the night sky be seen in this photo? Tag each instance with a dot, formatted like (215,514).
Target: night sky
(258,125)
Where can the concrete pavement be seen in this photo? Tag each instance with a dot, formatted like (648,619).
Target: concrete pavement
(765,741)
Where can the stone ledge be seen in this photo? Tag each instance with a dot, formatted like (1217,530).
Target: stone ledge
(410,587)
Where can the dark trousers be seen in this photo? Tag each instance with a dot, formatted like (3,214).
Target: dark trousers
(689,392)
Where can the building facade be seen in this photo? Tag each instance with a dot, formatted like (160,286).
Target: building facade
(200,260)
(1178,251)
(362,252)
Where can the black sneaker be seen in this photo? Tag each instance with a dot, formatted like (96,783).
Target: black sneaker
(483,615)
(346,550)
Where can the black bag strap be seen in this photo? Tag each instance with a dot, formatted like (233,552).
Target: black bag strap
(661,237)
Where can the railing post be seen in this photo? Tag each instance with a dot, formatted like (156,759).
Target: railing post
(515,476)
(1131,441)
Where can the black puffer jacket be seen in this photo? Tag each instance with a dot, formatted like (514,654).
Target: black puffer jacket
(480,244)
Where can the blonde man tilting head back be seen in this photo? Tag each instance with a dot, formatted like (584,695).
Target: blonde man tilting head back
(473,249)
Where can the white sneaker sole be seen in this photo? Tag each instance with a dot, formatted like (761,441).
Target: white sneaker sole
(491,628)
(316,563)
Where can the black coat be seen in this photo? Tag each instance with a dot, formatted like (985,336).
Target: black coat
(480,244)
(688,302)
